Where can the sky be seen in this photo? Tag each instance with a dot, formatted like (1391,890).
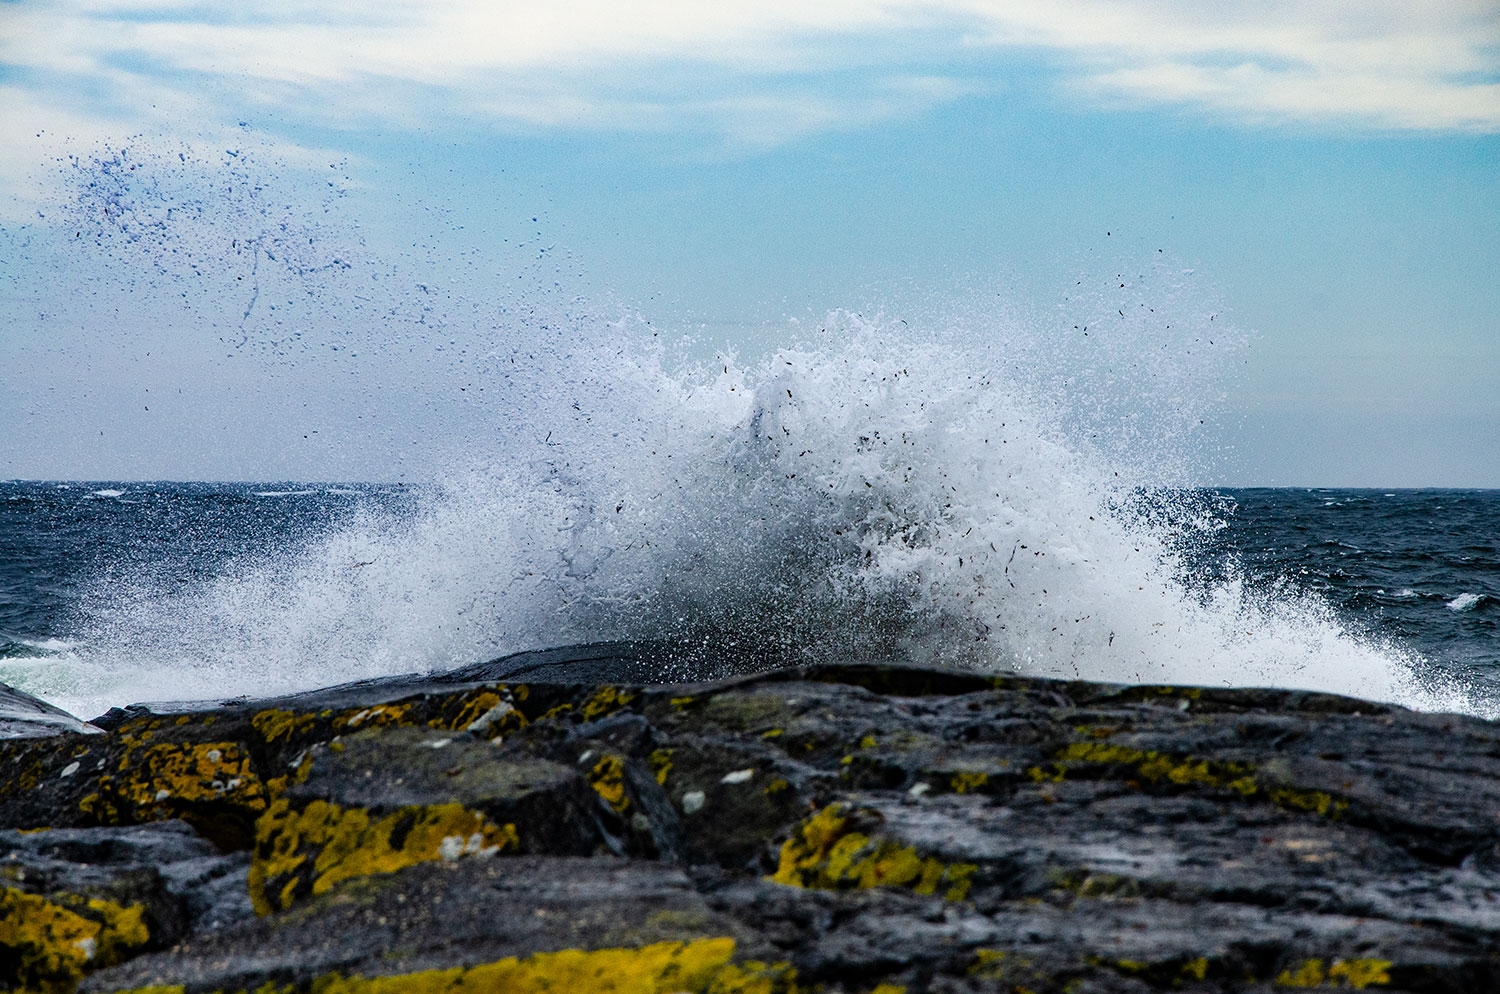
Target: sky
(1322,179)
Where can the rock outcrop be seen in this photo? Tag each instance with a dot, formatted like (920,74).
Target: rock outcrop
(24,716)
(836,828)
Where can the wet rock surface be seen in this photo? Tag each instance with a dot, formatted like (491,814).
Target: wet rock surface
(848,829)
(24,716)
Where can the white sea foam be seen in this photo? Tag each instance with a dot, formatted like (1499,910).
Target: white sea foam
(107,493)
(1465,602)
(867,493)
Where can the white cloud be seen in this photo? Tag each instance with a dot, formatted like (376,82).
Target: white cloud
(756,72)
(1426,66)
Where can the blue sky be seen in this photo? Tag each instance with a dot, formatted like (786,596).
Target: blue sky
(1322,177)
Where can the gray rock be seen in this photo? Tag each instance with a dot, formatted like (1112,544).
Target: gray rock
(23,716)
(835,827)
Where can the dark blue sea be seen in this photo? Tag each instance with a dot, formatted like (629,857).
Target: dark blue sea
(113,592)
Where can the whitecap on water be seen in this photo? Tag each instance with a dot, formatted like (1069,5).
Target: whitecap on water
(1465,602)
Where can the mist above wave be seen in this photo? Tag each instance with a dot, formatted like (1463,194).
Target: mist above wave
(971,489)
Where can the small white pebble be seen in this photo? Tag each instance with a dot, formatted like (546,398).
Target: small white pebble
(214,755)
(88,947)
(68,770)
(452,847)
(585,757)
(163,794)
(918,789)
(738,776)
(692,802)
(1184,704)
(491,716)
(232,784)
(437,743)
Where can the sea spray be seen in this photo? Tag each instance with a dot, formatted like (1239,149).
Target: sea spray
(968,489)
(862,495)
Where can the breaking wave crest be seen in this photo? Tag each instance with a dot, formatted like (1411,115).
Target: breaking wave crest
(862,493)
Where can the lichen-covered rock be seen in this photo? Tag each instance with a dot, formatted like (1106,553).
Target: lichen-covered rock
(76,900)
(438,796)
(849,829)
(525,919)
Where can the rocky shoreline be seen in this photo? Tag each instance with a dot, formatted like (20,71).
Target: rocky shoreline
(556,823)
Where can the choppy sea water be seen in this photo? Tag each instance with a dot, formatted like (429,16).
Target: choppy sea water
(112,592)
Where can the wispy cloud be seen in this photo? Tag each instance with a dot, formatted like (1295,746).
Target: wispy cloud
(1425,66)
(756,72)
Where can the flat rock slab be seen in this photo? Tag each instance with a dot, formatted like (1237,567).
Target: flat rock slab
(837,828)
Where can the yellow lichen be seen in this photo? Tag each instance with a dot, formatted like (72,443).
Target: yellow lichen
(1309,800)
(888,989)
(987,963)
(1308,974)
(701,966)
(493,712)
(660,762)
(608,780)
(825,852)
(776,787)
(379,716)
(963,783)
(311,849)
(1011,970)
(1094,885)
(1361,973)
(477,705)
(168,780)
(1191,771)
(868,742)
(51,944)
(1347,973)
(274,724)
(680,702)
(276,786)
(606,700)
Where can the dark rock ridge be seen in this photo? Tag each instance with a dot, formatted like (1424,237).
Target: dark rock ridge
(526,826)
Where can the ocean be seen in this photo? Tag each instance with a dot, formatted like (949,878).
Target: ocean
(116,592)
